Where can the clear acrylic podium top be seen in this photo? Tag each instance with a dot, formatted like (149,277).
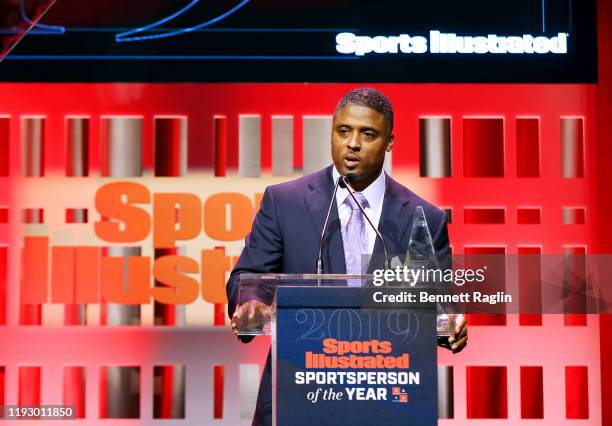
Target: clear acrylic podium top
(256,295)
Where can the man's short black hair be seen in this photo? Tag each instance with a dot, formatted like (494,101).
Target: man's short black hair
(371,98)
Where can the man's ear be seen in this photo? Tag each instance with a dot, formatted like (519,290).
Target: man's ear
(390,143)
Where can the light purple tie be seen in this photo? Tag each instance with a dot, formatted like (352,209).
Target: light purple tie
(355,238)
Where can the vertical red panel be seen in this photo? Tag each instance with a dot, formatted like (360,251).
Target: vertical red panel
(77,164)
(33,138)
(220,136)
(103,148)
(265,145)
(63,283)
(435,147)
(164,314)
(572,139)
(170,160)
(483,147)
(298,144)
(120,400)
(532,393)
(85,279)
(220,308)
(218,384)
(487,393)
(4,215)
(34,284)
(166,395)
(168,146)
(103,395)
(29,385)
(530,285)
(528,147)
(74,389)
(2,380)
(4,146)
(168,398)
(220,314)
(493,258)
(77,152)
(3,283)
(574,286)
(576,392)
(605,349)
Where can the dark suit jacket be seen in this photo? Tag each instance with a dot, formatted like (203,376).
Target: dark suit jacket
(286,232)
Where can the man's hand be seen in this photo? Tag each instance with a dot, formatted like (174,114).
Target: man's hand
(251,315)
(458,338)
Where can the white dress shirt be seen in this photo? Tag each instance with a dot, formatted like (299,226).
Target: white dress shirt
(374,193)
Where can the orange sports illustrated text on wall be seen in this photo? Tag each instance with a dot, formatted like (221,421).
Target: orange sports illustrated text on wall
(82,274)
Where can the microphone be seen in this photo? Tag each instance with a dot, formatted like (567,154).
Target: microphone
(331,204)
(351,177)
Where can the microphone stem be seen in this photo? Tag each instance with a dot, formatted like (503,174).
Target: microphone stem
(331,204)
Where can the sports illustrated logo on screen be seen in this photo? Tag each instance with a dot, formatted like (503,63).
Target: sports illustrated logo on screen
(440,43)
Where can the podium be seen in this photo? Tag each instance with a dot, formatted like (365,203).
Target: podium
(339,359)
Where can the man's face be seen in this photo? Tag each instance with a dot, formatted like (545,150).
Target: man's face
(360,138)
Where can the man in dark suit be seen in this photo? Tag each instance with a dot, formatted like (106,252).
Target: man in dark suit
(286,231)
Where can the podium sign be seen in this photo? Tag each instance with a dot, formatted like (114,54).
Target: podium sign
(336,363)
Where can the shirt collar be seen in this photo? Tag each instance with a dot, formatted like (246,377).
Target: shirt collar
(374,193)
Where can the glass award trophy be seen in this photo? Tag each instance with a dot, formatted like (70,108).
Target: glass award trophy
(422,255)
(421,251)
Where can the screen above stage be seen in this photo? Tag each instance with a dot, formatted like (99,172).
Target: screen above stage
(319,41)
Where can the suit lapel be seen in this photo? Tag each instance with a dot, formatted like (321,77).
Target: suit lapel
(317,202)
(392,225)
